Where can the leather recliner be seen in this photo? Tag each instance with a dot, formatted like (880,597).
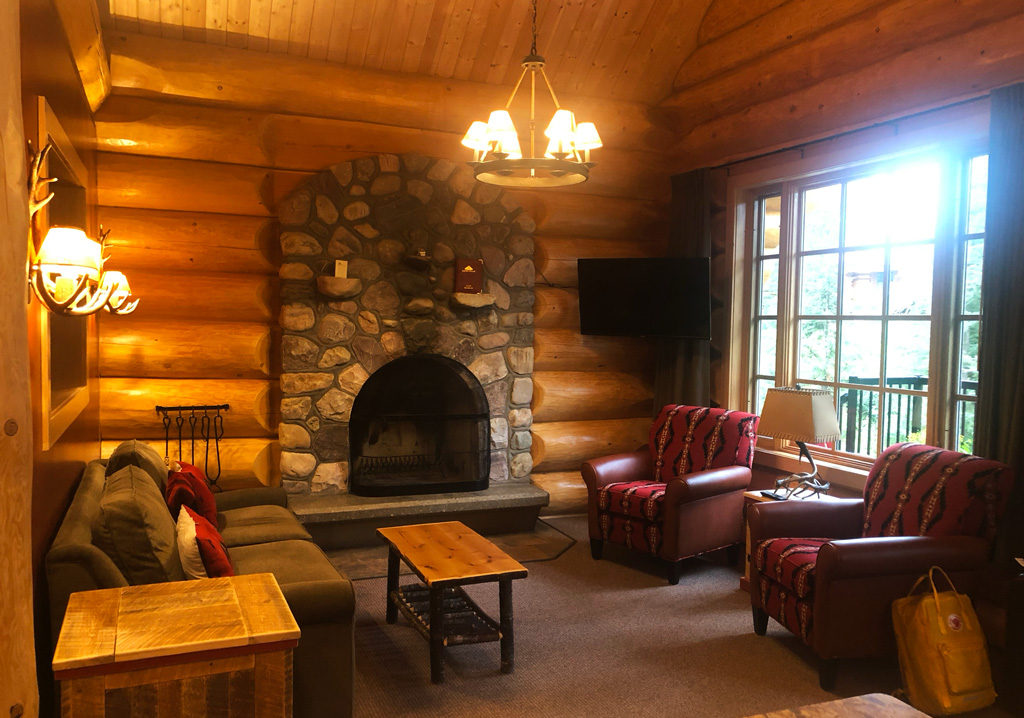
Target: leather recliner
(829,571)
(679,496)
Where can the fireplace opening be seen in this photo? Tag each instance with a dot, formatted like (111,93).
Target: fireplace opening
(420,424)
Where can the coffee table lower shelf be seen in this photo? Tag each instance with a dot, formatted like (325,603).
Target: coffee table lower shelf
(464,621)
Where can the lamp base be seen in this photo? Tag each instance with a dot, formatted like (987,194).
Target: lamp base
(799,485)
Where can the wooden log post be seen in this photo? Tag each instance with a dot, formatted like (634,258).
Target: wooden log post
(243,460)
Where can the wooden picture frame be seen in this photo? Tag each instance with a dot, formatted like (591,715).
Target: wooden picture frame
(59,356)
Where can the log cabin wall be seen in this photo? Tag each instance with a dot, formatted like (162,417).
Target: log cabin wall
(199,142)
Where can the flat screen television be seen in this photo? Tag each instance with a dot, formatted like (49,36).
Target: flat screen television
(650,296)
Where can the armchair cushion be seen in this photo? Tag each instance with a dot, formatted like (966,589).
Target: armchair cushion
(790,562)
(684,439)
(640,499)
(917,490)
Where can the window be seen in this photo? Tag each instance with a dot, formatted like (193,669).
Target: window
(867,283)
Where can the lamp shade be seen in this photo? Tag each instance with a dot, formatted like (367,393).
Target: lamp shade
(587,137)
(806,415)
(68,251)
(477,137)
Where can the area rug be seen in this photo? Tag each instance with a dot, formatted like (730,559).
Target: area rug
(544,543)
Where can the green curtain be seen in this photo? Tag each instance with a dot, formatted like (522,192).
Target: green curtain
(999,419)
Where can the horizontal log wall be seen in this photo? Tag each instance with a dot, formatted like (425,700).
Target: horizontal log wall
(188,179)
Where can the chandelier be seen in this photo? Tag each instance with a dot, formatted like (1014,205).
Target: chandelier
(498,157)
(67,274)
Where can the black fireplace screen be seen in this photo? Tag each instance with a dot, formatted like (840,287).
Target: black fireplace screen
(420,424)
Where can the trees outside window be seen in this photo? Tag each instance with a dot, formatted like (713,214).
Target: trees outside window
(868,283)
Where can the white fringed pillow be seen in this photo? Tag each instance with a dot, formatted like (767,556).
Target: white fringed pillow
(188,548)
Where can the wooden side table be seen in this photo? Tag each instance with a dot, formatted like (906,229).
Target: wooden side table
(184,648)
(447,556)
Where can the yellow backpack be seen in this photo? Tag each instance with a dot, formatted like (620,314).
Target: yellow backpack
(942,651)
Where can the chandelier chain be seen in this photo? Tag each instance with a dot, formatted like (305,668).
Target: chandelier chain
(533,46)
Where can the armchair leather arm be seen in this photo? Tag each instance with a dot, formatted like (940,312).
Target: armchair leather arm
(808,518)
(705,484)
(633,466)
(899,555)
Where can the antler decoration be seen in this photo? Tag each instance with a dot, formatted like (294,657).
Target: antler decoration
(36,183)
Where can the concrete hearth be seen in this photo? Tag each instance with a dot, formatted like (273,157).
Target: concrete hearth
(346,520)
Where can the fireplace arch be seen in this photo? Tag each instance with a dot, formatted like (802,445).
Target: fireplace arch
(420,424)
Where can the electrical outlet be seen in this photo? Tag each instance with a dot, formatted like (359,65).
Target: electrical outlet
(341,268)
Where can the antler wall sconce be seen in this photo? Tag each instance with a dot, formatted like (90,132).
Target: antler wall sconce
(66,273)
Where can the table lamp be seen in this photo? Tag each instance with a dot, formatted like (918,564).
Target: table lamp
(801,415)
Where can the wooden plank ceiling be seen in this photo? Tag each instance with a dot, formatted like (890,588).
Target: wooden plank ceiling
(627,50)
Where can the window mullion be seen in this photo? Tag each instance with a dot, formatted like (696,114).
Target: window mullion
(944,343)
(785,347)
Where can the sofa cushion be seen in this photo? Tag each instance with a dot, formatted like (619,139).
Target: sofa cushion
(135,528)
(642,499)
(315,591)
(188,548)
(187,486)
(790,562)
(142,455)
(211,547)
(259,524)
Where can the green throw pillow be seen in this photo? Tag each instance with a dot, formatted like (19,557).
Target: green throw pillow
(135,528)
(141,454)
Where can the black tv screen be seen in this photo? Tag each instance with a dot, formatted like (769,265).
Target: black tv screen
(655,297)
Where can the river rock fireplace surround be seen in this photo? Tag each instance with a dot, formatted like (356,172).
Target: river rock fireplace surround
(393,383)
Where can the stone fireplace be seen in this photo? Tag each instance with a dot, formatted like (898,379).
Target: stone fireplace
(392,382)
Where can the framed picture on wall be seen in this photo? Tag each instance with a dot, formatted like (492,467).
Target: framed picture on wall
(59,344)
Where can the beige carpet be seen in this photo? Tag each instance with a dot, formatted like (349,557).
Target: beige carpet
(603,638)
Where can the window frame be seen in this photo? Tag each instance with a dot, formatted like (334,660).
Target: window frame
(959,131)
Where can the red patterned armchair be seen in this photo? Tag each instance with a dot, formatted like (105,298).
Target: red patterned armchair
(682,494)
(828,571)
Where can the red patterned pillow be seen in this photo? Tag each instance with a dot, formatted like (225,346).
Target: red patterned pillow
(211,547)
(187,487)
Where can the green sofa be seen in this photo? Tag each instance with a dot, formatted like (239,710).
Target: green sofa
(261,536)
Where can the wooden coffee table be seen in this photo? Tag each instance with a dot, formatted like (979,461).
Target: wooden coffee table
(447,556)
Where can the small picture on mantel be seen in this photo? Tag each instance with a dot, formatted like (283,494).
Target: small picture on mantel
(341,268)
(469,275)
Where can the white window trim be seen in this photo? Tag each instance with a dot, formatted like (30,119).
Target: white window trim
(964,123)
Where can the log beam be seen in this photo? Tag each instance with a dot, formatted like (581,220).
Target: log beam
(555,256)
(872,36)
(127,405)
(937,74)
(776,25)
(162,128)
(564,445)
(192,186)
(724,16)
(572,395)
(190,241)
(185,349)
(567,492)
(242,460)
(209,74)
(567,350)
(227,297)
(81,21)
